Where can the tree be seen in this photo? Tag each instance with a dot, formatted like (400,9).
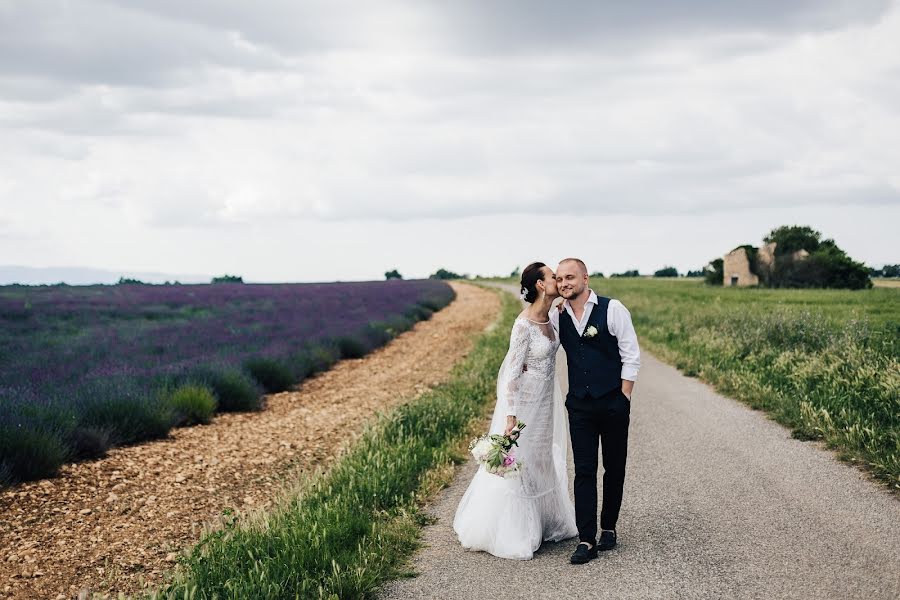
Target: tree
(827,267)
(631,273)
(444,274)
(129,281)
(697,273)
(715,272)
(515,272)
(890,271)
(597,275)
(395,274)
(791,238)
(228,279)
(666,272)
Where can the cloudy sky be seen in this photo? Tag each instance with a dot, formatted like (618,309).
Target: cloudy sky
(323,140)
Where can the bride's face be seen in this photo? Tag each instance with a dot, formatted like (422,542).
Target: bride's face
(549,281)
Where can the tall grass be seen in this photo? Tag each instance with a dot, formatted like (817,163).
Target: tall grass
(351,529)
(824,362)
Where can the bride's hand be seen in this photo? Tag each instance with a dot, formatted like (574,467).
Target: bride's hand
(510,424)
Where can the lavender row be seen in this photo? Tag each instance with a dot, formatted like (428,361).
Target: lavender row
(85,368)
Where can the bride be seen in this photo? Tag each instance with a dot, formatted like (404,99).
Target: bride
(510,517)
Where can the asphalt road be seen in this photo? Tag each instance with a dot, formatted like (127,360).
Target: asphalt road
(720,502)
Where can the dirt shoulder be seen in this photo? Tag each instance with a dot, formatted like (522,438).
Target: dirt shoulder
(111,524)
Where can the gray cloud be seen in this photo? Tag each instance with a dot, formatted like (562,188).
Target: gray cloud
(534,26)
(100,43)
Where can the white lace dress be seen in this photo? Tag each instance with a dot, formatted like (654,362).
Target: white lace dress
(510,517)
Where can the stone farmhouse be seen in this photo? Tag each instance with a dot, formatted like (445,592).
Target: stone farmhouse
(738,271)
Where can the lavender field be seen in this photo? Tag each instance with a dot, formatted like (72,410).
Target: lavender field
(85,368)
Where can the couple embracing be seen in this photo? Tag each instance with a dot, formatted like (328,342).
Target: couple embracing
(510,517)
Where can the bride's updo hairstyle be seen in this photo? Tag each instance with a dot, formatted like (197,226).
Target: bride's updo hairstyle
(530,276)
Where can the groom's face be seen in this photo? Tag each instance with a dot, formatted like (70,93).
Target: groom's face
(570,280)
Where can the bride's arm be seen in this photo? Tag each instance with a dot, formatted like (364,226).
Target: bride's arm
(518,353)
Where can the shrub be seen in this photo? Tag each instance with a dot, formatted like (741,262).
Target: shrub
(191,404)
(130,417)
(90,442)
(631,273)
(715,272)
(321,357)
(234,389)
(272,375)
(445,274)
(398,324)
(418,312)
(352,347)
(433,304)
(666,272)
(378,334)
(827,267)
(27,453)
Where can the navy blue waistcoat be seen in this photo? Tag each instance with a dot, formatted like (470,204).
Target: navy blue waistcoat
(595,365)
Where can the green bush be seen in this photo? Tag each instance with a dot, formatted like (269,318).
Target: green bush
(128,418)
(378,334)
(418,313)
(273,375)
(666,272)
(714,273)
(191,404)
(234,389)
(89,442)
(320,357)
(27,454)
(398,324)
(352,347)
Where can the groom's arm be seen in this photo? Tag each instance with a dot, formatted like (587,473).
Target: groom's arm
(620,325)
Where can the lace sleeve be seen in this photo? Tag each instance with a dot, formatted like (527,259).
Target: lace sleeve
(518,352)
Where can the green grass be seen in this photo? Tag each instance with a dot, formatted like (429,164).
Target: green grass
(351,529)
(825,363)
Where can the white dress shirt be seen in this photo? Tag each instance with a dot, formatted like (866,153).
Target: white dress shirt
(618,320)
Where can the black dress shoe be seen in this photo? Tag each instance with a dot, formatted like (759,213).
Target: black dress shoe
(583,553)
(607,540)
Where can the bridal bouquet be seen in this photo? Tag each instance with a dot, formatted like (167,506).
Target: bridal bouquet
(496,452)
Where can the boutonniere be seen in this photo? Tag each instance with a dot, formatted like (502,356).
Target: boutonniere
(590,332)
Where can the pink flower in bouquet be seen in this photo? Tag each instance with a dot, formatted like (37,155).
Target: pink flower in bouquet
(509,460)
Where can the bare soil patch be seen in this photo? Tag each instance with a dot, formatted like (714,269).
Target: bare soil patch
(113,524)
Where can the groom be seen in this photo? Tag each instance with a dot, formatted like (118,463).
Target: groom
(603,358)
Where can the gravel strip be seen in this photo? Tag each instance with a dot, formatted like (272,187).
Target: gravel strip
(720,502)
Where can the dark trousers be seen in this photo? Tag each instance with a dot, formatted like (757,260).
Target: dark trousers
(599,422)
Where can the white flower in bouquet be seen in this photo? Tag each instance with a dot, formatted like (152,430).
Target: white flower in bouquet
(481,448)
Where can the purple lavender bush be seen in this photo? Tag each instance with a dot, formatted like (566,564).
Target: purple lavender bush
(83,368)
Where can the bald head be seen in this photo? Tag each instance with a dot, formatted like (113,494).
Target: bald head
(575,262)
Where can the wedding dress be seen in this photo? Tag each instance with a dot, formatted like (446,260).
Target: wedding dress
(510,517)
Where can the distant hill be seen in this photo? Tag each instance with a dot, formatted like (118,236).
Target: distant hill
(10,274)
